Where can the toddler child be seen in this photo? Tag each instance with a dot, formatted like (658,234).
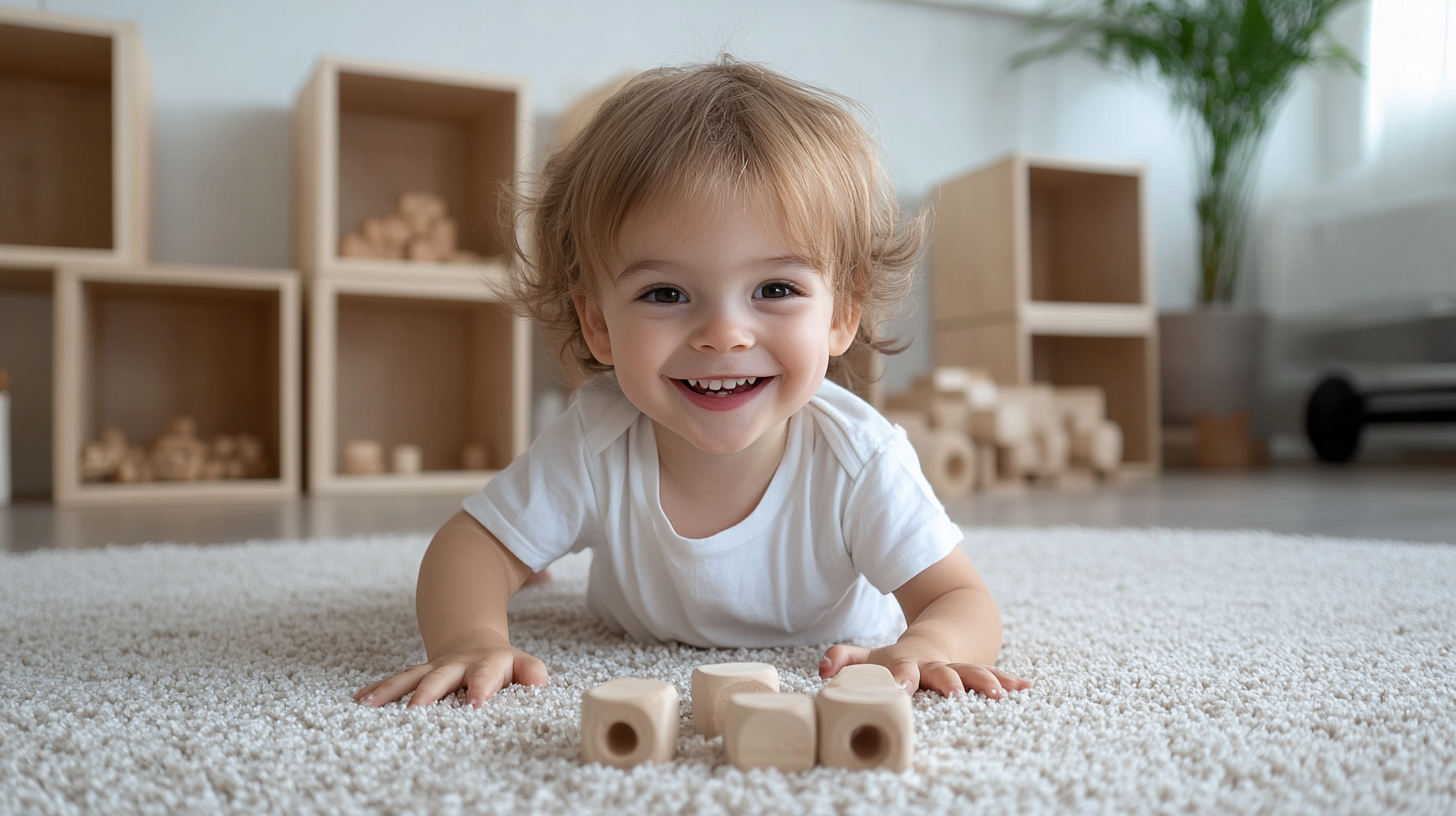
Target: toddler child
(707,246)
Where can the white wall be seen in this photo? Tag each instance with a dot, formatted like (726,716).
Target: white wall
(224,75)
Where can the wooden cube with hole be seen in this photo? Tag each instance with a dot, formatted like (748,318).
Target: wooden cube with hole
(865,726)
(435,363)
(1040,274)
(186,377)
(629,721)
(75,140)
(378,140)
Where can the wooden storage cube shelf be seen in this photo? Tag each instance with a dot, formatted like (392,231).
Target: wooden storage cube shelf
(1122,367)
(440,367)
(74,127)
(138,347)
(27,307)
(367,132)
(1030,230)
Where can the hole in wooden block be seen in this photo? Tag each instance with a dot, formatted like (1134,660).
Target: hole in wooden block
(621,739)
(869,744)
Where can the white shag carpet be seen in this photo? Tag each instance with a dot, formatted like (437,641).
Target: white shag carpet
(1175,672)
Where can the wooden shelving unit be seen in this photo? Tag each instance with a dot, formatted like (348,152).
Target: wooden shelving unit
(409,352)
(137,346)
(75,122)
(1040,273)
(27,307)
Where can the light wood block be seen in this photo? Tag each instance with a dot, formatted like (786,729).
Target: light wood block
(1008,423)
(948,460)
(75,144)
(1080,408)
(138,346)
(433,361)
(1041,274)
(863,674)
(763,730)
(715,684)
(368,132)
(909,420)
(1099,449)
(628,722)
(405,460)
(863,726)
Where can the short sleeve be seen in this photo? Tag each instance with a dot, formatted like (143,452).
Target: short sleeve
(543,503)
(894,526)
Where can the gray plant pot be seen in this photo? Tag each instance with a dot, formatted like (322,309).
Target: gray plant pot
(1209,361)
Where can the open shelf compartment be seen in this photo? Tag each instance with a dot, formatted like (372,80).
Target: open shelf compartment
(431,363)
(140,347)
(27,353)
(74,145)
(367,132)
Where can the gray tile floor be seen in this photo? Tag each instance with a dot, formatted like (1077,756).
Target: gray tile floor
(1408,502)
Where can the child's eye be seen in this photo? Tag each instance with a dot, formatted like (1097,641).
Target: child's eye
(663,294)
(775,290)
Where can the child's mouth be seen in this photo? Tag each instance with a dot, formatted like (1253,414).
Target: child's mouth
(724,388)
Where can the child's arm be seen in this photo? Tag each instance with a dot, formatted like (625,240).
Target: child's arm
(466,580)
(953,638)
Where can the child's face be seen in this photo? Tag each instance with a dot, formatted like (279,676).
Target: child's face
(711,295)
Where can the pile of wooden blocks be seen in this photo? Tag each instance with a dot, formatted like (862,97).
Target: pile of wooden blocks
(177,455)
(419,230)
(973,434)
(861,719)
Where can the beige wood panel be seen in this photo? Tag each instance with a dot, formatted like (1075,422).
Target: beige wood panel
(1000,349)
(75,151)
(55,163)
(1086,241)
(1121,367)
(27,309)
(307,166)
(973,256)
(137,346)
(581,111)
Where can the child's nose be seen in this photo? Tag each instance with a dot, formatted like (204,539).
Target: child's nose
(722,330)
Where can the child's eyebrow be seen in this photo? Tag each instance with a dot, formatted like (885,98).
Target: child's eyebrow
(644,266)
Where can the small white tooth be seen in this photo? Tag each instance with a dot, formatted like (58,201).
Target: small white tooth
(743,381)
(751,380)
(714,385)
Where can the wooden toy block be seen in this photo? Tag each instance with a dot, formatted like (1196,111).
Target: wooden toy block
(1018,461)
(1100,449)
(909,420)
(863,674)
(421,207)
(405,459)
(1005,424)
(628,722)
(865,727)
(1223,440)
(986,473)
(765,730)
(355,245)
(363,456)
(1054,448)
(1074,478)
(1081,408)
(948,460)
(715,684)
(973,383)
(388,234)
(1038,402)
(949,411)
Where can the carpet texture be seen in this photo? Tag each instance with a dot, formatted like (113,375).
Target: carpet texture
(1175,672)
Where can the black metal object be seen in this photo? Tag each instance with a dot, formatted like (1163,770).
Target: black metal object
(1337,413)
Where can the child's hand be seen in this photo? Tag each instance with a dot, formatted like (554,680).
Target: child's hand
(481,670)
(918,665)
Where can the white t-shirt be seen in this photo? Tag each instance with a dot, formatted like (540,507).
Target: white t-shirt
(847,518)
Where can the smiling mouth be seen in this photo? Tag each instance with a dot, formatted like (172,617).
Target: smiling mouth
(724,388)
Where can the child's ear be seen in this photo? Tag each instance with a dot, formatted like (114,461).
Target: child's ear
(594,328)
(843,330)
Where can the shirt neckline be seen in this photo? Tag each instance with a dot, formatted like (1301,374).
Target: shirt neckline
(644,450)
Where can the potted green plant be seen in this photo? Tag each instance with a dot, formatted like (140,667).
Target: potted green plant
(1228,65)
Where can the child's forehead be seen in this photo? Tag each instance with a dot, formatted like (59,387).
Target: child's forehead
(683,216)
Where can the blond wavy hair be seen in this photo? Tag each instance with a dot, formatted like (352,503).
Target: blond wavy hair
(726,128)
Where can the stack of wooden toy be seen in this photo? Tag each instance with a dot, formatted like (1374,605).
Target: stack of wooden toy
(419,230)
(176,455)
(861,719)
(973,434)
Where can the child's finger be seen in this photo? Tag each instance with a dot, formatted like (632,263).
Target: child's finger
(393,687)
(436,684)
(484,680)
(1010,681)
(906,672)
(981,679)
(942,678)
(529,671)
(837,657)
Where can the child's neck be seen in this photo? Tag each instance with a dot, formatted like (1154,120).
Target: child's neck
(705,493)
